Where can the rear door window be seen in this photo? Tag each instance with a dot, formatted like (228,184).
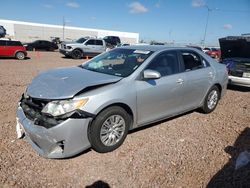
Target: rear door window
(192,60)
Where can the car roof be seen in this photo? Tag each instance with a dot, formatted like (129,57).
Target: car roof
(6,39)
(155,48)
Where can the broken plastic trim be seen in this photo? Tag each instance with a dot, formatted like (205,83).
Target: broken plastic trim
(76,114)
(47,120)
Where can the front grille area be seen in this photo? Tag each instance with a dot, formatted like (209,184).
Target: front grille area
(33,110)
(63,46)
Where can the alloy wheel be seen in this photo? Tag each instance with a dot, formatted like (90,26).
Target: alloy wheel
(212,99)
(112,130)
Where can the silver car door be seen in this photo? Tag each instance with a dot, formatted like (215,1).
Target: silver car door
(199,78)
(161,97)
(90,46)
(99,46)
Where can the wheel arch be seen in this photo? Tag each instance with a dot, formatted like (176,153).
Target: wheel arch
(126,107)
(215,84)
(19,51)
(219,87)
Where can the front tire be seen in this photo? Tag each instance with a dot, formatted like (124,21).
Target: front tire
(109,129)
(211,100)
(20,55)
(77,54)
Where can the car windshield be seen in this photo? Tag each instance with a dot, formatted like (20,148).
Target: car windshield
(81,40)
(118,62)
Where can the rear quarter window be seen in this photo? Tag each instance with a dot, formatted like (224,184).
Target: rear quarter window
(99,42)
(2,43)
(14,43)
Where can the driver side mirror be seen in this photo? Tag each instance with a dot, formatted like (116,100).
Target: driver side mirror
(151,74)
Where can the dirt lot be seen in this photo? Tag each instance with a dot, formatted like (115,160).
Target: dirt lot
(192,150)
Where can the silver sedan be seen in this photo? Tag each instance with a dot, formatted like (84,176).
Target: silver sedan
(67,110)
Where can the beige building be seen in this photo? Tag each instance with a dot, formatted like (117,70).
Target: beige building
(27,32)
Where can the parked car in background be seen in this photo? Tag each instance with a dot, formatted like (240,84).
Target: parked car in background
(123,44)
(67,110)
(214,53)
(157,43)
(41,45)
(83,47)
(56,40)
(235,54)
(11,48)
(112,40)
(206,49)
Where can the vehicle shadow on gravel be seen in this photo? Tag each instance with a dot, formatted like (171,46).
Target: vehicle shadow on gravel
(238,88)
(228,176)
(98,184)
(9,58)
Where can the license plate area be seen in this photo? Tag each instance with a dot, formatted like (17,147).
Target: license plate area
(246,75)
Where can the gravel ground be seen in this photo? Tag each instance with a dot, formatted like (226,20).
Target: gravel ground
(192,150)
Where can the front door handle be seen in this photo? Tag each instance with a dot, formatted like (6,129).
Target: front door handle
(180,81)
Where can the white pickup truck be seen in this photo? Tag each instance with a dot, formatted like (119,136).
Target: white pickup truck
(83,47)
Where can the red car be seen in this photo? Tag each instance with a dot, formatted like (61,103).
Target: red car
(10,48)
(214,53)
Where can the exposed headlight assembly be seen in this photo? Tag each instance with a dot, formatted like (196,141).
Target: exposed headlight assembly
(57,108)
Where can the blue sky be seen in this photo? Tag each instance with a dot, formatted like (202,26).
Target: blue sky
(181,21)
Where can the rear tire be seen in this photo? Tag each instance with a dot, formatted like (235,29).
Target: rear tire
(20,55)
(211,100)
(77,54)
(109,129)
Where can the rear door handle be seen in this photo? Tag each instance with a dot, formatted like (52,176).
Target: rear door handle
(180,81)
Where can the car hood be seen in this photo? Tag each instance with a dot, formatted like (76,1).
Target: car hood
(70,42)
(63,83)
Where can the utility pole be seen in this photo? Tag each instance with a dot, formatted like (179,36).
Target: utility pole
(169,35)
(205,33)
(63,27)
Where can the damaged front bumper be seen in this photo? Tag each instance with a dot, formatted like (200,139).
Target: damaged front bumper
(65,52)
(68,138)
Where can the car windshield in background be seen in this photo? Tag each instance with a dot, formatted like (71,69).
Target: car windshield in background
(81,40)
(118,62)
